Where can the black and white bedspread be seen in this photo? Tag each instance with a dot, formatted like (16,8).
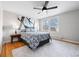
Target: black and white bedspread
(33,38)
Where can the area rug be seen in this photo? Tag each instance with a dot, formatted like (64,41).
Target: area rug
(53,49)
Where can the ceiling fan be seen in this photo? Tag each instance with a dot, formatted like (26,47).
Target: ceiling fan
(45,7)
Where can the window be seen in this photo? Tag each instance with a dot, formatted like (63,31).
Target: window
(51,23)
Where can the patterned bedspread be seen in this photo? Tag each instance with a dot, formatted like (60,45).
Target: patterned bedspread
(33,38)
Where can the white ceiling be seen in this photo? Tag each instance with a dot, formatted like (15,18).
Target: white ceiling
(25,8)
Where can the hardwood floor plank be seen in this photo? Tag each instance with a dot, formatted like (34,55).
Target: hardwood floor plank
(8,47)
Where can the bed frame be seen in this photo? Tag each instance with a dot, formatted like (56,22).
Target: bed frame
(40,43)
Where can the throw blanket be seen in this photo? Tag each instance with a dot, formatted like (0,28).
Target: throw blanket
(33,38)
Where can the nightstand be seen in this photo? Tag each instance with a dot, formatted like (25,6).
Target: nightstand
(15,36)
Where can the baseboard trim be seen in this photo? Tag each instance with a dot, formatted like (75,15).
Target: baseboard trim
(67,40)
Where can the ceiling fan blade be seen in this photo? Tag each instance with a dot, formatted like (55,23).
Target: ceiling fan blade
(52,8)
(37,8)
(46,3)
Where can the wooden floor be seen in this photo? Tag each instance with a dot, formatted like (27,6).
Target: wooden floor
(8,47)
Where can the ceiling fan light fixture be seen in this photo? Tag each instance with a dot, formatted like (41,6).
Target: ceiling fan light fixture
(45,7)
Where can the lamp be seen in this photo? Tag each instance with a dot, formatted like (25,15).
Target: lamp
(15,27)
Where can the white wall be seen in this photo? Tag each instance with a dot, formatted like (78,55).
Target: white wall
(68,25)
(10,22)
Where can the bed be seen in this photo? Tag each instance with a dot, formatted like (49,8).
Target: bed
(35,39)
